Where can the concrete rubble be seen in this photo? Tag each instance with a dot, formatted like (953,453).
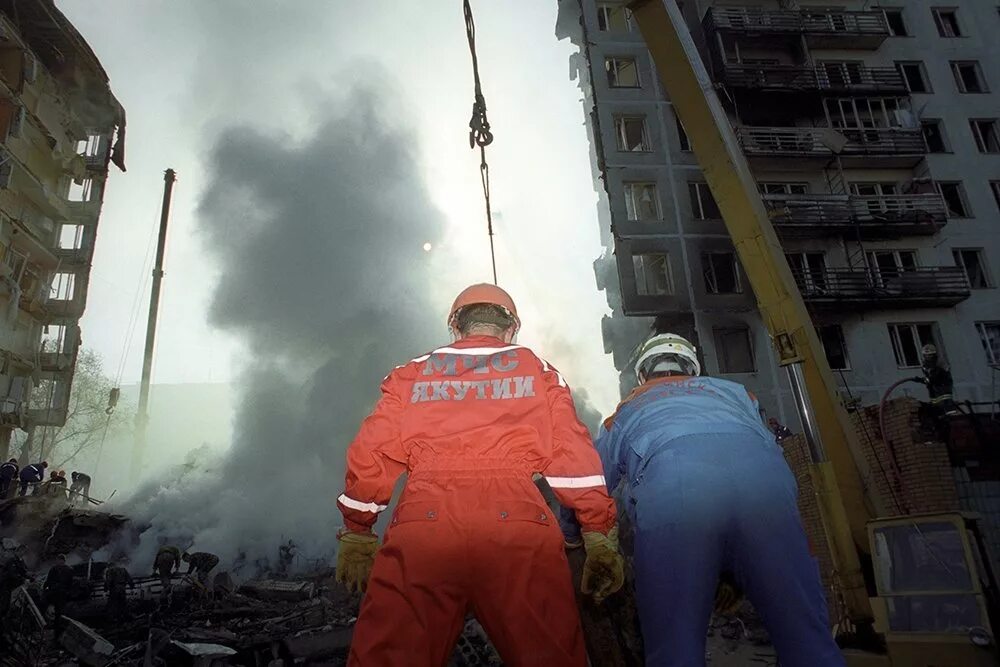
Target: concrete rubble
(271,620)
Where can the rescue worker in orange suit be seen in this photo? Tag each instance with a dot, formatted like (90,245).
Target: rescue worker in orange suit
(471,423)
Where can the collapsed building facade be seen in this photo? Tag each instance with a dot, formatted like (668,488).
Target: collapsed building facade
(60,130)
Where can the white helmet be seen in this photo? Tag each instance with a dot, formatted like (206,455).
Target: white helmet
(666,348)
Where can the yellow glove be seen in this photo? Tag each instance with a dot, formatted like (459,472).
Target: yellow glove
(604,569)
(728,595)
(354,559)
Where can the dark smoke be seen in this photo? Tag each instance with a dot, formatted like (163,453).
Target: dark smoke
(322,273)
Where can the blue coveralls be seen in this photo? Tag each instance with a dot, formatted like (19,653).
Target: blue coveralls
(708,489)
(8,471)
(31,474)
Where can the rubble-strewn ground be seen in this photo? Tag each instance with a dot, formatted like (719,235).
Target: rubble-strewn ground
(268,621)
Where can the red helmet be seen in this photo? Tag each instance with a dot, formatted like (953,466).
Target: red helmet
(484,293)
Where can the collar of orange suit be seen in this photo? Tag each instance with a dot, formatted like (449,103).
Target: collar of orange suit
(639,391)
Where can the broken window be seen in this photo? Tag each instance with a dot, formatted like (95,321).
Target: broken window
(82,191)
(809,271)
(915,76)
(682,136)
(703,206)
(968,76)
(934,135)
(774,188)
(53,339)
(973,262)
(989,335)
(622,72)
(613,17)
(889,263)
(642,201)
(62,287)
(734,350)
(70,237)
(6,170)
(721,274)
(16,126)
(845,72)
(652,274)
(953,194)
(91,146)
(16,260)
(985,133)
(834,346)
(946,21)
(894,19)
(631,134)
(907,339)
(30,68)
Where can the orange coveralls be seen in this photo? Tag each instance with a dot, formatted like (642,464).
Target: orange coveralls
(471,423)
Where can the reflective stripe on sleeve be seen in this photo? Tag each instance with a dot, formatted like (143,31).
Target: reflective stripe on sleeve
(360,506)
(576,482)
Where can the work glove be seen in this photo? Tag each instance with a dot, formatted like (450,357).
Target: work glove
(728,595)
(355,558)
(604,569)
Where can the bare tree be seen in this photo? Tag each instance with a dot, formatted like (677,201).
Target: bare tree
(88,421)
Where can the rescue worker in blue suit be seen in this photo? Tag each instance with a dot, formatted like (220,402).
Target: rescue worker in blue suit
(708,490)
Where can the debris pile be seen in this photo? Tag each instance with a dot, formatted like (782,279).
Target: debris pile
(274,622)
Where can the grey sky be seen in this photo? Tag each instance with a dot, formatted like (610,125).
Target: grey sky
(185,70)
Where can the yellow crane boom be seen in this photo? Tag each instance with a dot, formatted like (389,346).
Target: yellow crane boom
(844,506)
(939,617)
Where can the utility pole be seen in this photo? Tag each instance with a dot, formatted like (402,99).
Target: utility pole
(142,415)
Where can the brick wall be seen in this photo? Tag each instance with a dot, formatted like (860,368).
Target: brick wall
(910,471)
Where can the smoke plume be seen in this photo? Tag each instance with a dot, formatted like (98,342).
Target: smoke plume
(323,275)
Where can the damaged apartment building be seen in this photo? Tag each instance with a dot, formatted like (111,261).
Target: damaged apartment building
(873,135)
(60,128)
(872,131)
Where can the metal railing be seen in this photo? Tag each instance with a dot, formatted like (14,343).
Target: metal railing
(808,211)
(942,284)
(918,213)
(903,209)
(817,21)
(830,77)
(820,142)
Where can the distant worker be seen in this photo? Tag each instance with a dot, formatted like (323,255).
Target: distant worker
(286,556)
(13,573)
(709,491)
(56,486)
(32,475)
(937,378)
(168,561)
(58,589)
(116,580)
(8,473)
(471,423)
(200,564)
(80,486)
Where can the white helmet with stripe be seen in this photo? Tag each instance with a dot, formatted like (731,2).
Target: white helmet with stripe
(666,352)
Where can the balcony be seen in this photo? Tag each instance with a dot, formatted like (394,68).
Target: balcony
(838,79)
(887,147)
(882,288)
(821,28)
(872,217)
